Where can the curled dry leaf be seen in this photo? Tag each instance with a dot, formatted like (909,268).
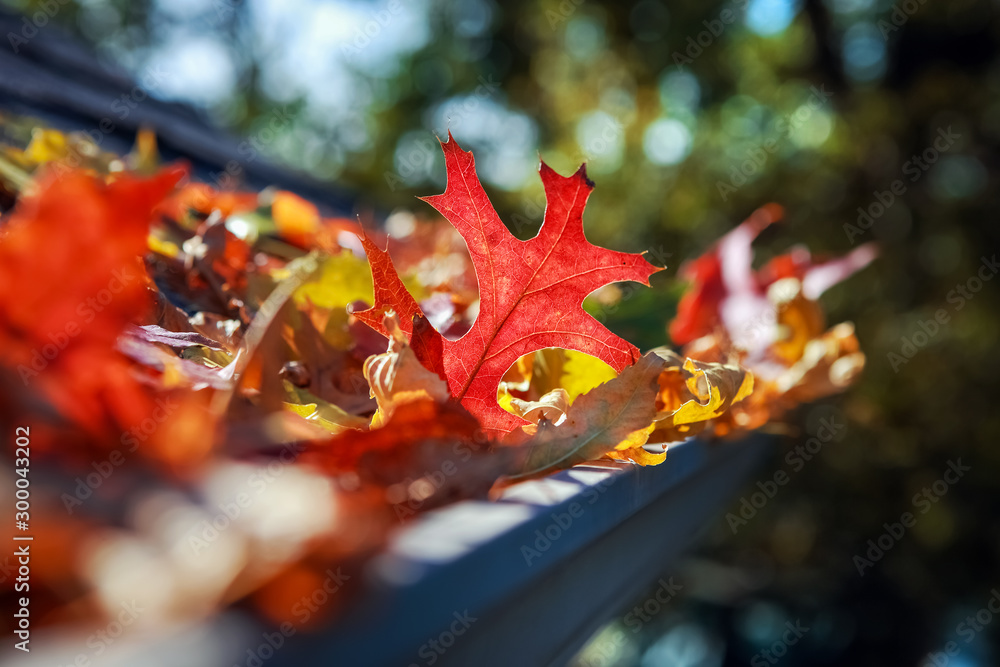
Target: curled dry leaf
(692,393)
(397,377)
(174,370)
(541,372)
(551,407)
(798,319)
(828,364)
(327,415)
(770,321)
(615,417)
(178,339)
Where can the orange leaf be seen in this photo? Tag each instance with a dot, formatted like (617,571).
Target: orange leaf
(297,220)
(71,279)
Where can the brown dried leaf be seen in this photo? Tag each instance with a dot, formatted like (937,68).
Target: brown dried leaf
(397,377)
(551,407)
(617,415)
(692,393)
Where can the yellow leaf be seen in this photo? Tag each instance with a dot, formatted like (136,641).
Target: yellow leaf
(694,392)
(799,320)
(614,417)
(722,391)
(46,146)
(162,247)
(343,278)
(320,412)
(631,449)
(547,370)
(504,398)
(306,411)
(829,363)
(582,372)
(145,157)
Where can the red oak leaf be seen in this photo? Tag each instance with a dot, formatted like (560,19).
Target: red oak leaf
(389,292)
(531,292)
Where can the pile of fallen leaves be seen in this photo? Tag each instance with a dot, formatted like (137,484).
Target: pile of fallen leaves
(228,394)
